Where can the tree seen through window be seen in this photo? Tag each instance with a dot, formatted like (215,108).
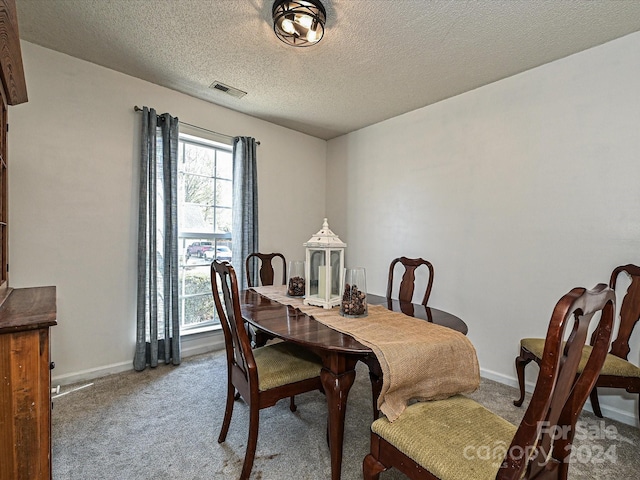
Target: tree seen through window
(205,192)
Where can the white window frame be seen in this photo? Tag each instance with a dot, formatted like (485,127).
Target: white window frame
(206,139)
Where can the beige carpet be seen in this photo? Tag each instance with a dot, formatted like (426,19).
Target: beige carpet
(164,424)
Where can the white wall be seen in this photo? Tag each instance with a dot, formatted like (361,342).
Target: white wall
(517,192)
(73,198)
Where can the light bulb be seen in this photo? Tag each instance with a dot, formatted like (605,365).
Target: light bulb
(312,35)
(304,20)
(287,26)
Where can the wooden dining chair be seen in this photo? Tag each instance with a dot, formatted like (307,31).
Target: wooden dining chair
(407,284)
(458,438)
(264,263)
(261,376)
(405,294)
(617,371)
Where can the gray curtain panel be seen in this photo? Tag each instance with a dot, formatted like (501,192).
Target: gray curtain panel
(245,205)
(158,323)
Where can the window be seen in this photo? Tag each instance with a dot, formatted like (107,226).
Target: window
(205,186)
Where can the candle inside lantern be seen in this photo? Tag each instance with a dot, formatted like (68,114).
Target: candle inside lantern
(322,282)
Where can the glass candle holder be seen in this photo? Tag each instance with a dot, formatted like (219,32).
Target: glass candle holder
(354,295)
(295,287)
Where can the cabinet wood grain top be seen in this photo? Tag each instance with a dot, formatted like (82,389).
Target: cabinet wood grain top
(28,309)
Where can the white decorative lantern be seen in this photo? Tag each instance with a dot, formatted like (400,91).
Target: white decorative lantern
(323,268)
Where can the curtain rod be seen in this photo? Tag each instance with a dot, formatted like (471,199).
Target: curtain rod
(138,109)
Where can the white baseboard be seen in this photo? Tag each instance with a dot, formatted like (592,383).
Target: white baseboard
(190,347)
(91,373)
(623,416)
(504,379)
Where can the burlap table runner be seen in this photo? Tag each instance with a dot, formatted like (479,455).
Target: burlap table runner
(419,360)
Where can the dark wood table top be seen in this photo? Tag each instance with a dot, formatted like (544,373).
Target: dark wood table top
(291,324)
(433,315)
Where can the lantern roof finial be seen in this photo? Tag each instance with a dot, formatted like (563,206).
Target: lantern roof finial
(325,238)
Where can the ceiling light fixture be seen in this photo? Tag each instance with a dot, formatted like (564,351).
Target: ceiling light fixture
(299,23)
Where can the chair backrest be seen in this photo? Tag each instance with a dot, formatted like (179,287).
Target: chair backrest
(548,426)
(236,339)
(407,284)
(629,309)
(266,268)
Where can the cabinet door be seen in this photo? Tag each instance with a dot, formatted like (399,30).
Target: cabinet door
(13,88)
(4,237)
(25,406)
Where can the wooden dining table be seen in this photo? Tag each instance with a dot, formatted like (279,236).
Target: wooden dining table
(339,352)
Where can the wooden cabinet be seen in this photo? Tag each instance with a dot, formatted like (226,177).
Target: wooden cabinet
(13,91)
(26,314)
(25,383)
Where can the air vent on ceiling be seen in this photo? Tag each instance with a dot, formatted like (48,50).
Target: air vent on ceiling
(234,92)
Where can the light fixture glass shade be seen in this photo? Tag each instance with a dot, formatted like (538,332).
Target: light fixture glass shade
(299,23)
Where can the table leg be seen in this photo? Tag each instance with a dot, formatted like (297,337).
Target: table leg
(337,382)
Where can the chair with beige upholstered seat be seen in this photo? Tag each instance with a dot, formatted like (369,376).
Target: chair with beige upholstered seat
(617,371)
(407,284)
(459,439)
(261,265)
(261,376)
(405,295)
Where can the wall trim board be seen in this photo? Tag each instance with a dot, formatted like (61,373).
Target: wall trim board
(612,413)
(102,371)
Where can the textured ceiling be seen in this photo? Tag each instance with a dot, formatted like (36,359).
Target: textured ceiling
(378,58)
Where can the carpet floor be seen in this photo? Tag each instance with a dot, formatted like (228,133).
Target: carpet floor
(163,423)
